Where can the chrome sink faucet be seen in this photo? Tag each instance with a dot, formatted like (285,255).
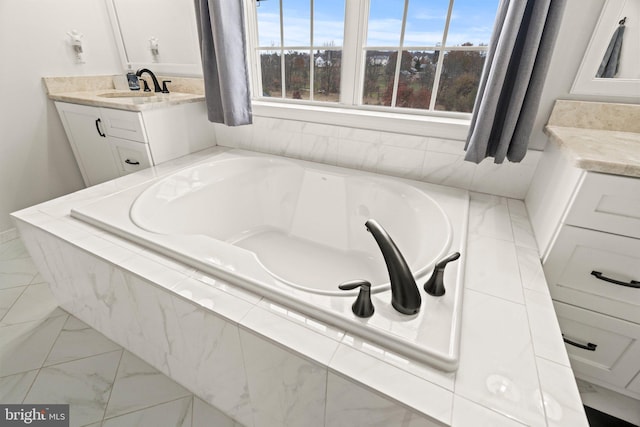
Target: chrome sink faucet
(156,85)
(405,296)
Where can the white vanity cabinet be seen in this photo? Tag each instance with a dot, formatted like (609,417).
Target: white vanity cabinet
(108,143)
(587,225)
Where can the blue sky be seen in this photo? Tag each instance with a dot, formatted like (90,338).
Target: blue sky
(472,21)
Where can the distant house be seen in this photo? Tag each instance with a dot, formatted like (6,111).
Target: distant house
(379,60)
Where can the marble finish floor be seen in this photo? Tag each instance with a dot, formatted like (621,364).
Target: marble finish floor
(48,356)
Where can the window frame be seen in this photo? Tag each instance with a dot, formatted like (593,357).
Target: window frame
(349,110)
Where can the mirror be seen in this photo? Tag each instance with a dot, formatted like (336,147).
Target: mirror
(626,82)
(160,35)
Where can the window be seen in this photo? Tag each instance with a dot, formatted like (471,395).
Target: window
(401,55)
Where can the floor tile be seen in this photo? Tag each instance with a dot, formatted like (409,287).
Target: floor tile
(84,384)
(205,415)
(13,249)
(176,413)
(25,346)
(35,303)
(78,340)
(8,297)
(14,388)
(139,385)
(16,272)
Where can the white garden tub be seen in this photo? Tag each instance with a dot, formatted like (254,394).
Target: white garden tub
(292,231)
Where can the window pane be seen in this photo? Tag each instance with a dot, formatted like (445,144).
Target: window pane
(425,22)
(269,23)
(385,22)
(327,75)
(459,80)
(271,74)
(380,67)
(328,25)
(472,22)
(297,22)
(415,84)
(296,75)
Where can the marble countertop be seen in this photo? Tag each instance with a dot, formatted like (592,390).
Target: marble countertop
(599,150)
(514,369)
(598,136)
(100,91)
(136,102)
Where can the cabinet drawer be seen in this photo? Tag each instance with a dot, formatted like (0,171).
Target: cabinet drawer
(609,203)
(130,156)
(123,124)
(615,354)
(577,253)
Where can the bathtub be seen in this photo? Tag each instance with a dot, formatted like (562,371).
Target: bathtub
(292,231)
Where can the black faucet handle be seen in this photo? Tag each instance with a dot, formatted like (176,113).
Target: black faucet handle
(164,86)
(435,284)
(146,85)
(363,307)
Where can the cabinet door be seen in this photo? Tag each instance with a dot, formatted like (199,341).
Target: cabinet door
(89,142)
(131,156)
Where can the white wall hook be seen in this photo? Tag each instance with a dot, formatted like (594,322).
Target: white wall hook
(77,45)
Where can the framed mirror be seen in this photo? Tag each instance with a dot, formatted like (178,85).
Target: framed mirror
(159,35)
(626,82)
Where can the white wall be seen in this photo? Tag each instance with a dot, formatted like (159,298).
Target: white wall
(36,162)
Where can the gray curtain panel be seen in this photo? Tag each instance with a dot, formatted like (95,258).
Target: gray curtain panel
(512,79)
(224,63)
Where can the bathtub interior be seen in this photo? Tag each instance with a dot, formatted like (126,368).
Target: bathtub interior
(305,225)
(272,218)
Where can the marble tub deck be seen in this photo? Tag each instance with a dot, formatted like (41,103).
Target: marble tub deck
(514,369)
(50,356)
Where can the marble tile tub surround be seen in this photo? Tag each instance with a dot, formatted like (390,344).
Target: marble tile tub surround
(598,137)
(429,159)
(50,356)
(264,365)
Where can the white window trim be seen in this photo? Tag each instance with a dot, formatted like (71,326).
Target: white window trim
(428,123)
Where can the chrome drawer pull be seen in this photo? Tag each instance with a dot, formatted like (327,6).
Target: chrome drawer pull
(589,346)
(631,284)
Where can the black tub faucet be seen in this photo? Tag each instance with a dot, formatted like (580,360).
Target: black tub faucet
(156,85)
(405,296)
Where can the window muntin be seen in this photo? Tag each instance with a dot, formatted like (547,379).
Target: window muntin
(300,54)
(411,55)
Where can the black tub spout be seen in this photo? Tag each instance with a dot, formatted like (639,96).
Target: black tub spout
(405,296)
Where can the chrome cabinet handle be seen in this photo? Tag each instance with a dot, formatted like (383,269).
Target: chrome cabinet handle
(588,346)
(131,162)
(631,284)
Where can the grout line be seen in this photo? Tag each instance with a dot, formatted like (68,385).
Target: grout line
(113,383)
(30,385)
(11,306)
(190,396)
